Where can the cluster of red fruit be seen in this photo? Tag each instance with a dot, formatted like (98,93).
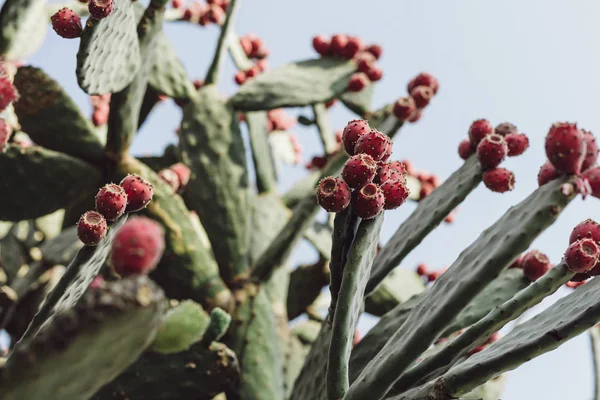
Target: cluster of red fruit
(492,145)
(177,176)
(101,106)
(213,11)
(534,264)
(571,151)
(377,184)
(67,23)
(351,47)
(430,276)
(254,48)
(112,201)
(582,254)
(421,90)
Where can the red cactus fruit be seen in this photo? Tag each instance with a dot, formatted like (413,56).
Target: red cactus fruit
(364,62)
(97,282)
(246,43)
(170,177)
(368,201)
(67,23)
(373,143)
(352,132)
(424,79)
(91,228)
(518,263)
(591,152)
(565,147)
(215,14)
(547,173)
(357,337)
(465,150)
(415,116)
(505,128)
(535,265)
(588,229)
(375,74)
(358,81)
(111,201)
(517,143)
(580,277)
(499,180)
(449,218)
(404,108)
(395,194)
(321,44)
(376,50)
(8,93)
(575,285)
(432,276)
(139,192)
(100,8)
(317,162)
(582,255)
(422,270)
(183,174)
(333,194)
(491,151)
(422,95)
(352,47)
(359,170)
(478,130)
(5,132)
(383,173)
(138,246)
(593,177)
(240,77)
(397,171)
(338,44)
(388,148)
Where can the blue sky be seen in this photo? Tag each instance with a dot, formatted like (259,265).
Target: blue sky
(528,62)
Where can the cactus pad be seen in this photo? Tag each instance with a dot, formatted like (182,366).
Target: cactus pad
(182,326)
(168,75)
(23,27)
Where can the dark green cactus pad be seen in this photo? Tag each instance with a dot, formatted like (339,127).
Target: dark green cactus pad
(211,145)
(37,173)
(156,163)
(319,235)
(307,331)
(476,267)
(295,85)
(104,333)
(78,276)
(306,283)
(294,355)
(181,327)
(196,374)
(269,215)
(168,75)
(311,383)
(51,118)
(262,154)
(23,27)
(359,102)
(219,323)
(61,249)
(109,51)
(400,285)
(12,254)
(187,269)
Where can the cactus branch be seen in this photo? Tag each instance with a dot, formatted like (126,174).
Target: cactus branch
(212,76)
(264,164)
(324,127)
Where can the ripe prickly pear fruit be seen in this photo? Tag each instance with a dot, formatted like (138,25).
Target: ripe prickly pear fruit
(338,44)
(138,246)
(424,79)
(422,95)
(352,47)
(404,108)
(321,44)
(376,50)
(333,194)
(593,177)
(388,149)
(565,147)
(591,153)
(588,229)
(100,8)
(368,201)
(518,263)
(374,144)
(383,173)
(491,151)
(358,81)
(547,173)
(91,228)
(5,132)
(479,129)
(535,265)
(359,170)
(139,192)
(517,143)
(465,150)
(352,132)
(67,23)
(8,92)
(395,194)
(111,201)
(499,180)
(582,255)
(374,74)
(170,177)
(415,116)
(183,174)
(505,128)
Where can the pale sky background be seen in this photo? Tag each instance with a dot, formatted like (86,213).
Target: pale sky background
(530,62)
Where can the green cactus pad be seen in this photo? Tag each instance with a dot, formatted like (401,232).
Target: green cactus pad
(264,163)
(37,173)
(168,75)
(103,334)
(12,254)
(78,276)
(295,85)
(187,269)
(52,119)
(211,145)
(109,52)
(269,215)
(219,323)
(474,269)
(199,373)
(359,102)
(23,27)
(182,326)
(319,235)
(400,285)
(307,331)
(306,283)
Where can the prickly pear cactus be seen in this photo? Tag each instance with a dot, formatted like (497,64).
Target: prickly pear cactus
(195,297)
